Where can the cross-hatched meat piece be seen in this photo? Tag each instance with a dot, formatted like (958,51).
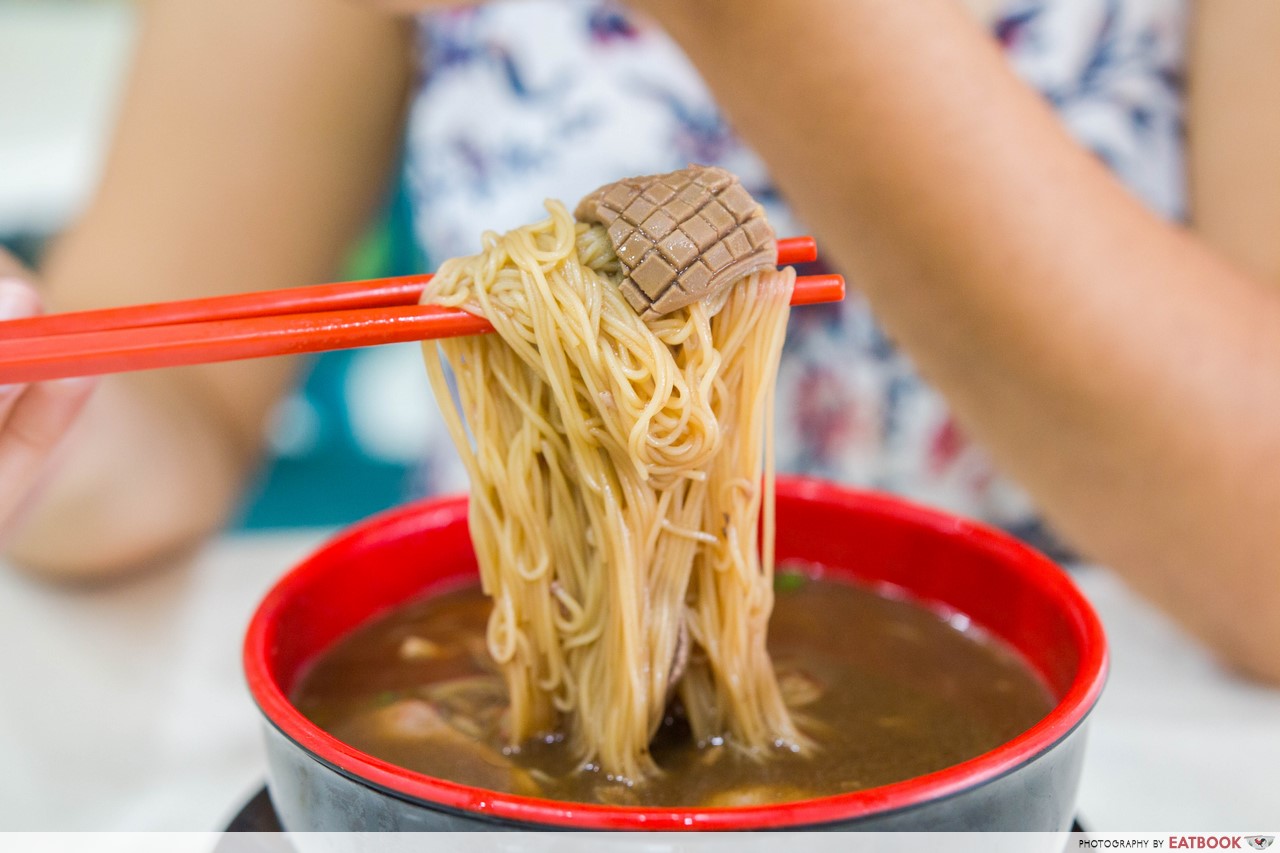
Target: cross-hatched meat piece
(682,236)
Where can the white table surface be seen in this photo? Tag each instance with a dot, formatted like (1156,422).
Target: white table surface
(124,708)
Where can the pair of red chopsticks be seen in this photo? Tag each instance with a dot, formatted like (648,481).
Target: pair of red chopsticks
(277,322)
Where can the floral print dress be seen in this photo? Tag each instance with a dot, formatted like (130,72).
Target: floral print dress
(524,100)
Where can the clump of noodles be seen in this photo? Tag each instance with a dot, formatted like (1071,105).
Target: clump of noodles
(617,467)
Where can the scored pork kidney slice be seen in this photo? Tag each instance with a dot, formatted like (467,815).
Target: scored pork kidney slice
(681,236)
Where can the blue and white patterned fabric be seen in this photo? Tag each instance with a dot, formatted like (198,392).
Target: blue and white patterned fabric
(524,100)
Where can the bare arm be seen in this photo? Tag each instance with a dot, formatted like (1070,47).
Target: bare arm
(254,140)
(1234,129)
(1122,369)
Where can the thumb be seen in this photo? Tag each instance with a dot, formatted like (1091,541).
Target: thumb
(17,297)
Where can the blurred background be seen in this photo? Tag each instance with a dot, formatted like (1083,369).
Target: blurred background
(62,66)
(62,63)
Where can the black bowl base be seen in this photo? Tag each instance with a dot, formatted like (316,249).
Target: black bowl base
(259,815)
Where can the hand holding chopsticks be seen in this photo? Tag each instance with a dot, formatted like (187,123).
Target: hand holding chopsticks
(256,325)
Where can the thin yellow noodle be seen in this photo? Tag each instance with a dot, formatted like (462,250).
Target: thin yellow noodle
(621,473)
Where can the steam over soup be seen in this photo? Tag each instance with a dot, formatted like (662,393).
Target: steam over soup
(885,689)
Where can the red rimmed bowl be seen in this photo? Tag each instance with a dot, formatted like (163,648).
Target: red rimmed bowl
(1029,783)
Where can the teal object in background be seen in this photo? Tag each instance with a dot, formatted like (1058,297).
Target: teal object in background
(323,476)
(335,481)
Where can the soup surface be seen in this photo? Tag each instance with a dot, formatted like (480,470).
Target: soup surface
(887,689)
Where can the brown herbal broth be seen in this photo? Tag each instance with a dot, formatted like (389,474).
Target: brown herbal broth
(900,691)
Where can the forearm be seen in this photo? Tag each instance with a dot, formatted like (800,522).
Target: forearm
(143,475)
(1111,363)
(253,144)
(157,459)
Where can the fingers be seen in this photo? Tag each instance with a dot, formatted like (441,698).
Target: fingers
(37,418)
(9,395)
(17,298)
(33,418)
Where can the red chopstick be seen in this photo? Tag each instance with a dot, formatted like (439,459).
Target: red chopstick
(374,293)
(148,347)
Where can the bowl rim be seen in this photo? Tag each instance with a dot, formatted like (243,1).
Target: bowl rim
(1070,711)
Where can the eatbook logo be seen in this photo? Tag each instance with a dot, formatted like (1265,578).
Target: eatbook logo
(1261,842)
